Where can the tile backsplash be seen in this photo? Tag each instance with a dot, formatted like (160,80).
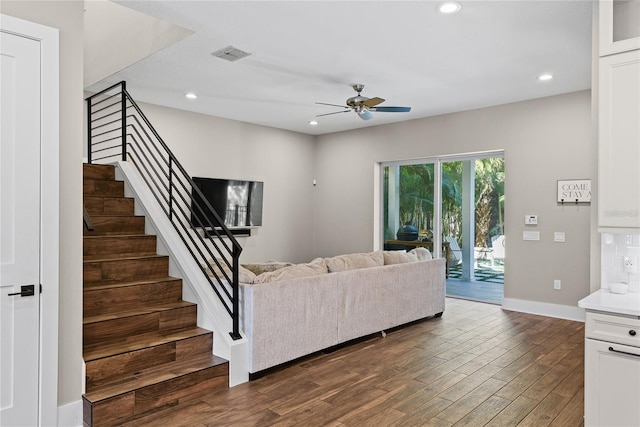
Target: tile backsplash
(618,249)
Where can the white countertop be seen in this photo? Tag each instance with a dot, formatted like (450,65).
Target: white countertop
(603,300)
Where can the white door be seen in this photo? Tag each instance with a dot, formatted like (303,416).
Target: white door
(19,229)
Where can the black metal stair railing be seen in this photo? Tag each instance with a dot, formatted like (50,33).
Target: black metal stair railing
(118,129)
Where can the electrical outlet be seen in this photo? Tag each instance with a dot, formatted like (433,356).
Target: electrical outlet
(557,284)
(630,265)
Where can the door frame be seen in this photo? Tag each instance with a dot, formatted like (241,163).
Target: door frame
(49,208)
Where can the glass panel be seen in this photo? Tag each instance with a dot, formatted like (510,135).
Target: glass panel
(408,205)
(626,20)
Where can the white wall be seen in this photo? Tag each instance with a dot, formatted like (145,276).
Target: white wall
(67,17)
(544,140)
(219,148)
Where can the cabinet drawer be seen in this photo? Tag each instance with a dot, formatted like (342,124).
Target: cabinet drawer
(616,329)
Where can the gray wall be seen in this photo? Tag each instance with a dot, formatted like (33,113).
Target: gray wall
(218,148)
(544,140)
(67,17)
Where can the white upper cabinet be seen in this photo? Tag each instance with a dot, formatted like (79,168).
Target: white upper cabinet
(619,141)
(619,26)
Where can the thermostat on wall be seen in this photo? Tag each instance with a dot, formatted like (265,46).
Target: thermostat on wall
(531,219)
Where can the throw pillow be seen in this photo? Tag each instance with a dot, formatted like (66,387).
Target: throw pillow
(423,254)
(313,268)
(265,267)
(244,275)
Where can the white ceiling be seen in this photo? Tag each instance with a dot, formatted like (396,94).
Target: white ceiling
(489,53)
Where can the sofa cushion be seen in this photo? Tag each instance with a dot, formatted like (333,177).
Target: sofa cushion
(244,275)
(399,257)
(423,254)
(265,267)
(354,261)
(316,267)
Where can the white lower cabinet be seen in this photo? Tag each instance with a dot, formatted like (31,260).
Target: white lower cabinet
(612,374)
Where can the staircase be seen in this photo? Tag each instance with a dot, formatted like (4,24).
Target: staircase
(141,345)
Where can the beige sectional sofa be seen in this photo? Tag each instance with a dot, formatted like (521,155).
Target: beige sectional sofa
(305,308)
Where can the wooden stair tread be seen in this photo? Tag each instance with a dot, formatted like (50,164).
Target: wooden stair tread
(116,235)
(129,258)
(128,255)
(136,312)
(102,286)
(154,375)
(102,350)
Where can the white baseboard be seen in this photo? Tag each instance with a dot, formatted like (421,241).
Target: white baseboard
(544,309)
(70,415)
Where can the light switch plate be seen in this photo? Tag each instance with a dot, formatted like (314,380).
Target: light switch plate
(531,219)
(559,237)
(530,235)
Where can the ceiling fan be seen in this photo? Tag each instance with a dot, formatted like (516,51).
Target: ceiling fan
(363,106)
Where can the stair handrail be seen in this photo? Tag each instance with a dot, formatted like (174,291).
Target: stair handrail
(130,136)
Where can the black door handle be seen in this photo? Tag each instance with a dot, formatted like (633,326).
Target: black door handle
(25,291)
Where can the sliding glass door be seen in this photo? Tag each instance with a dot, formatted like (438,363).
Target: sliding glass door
(454,206)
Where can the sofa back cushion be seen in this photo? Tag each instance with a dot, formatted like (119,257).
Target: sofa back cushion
(399,257)
(265,267)
(354,261)
(313,268)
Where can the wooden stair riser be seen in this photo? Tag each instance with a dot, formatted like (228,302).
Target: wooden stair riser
(121,328)
(104,206)
(115,225)
(119,246)
(125,270)
(114,299)
(102,370)
(99,172)
(94,187)
(141,402)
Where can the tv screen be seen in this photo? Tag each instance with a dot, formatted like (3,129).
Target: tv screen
(237,203)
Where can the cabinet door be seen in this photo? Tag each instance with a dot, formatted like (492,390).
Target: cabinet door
(611,384)
(619,140)
(619,26)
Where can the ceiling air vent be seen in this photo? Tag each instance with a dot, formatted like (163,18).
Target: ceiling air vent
(230,53)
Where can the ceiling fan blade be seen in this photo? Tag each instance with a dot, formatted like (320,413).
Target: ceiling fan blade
(335,112)
(392,109)
(332,105)
(372,102)
(365,115)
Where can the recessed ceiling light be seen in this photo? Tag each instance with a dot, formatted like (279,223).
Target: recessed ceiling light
(313,123)
(449,7)
(545,77)
(191,95)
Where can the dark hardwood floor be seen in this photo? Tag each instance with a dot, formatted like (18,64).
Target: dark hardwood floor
(476,365)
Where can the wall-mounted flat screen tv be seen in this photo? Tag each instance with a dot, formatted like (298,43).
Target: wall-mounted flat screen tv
(238,203)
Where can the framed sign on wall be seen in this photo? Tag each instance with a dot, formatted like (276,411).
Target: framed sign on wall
(574,191)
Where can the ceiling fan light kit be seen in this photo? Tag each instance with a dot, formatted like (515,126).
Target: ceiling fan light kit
(363,106)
